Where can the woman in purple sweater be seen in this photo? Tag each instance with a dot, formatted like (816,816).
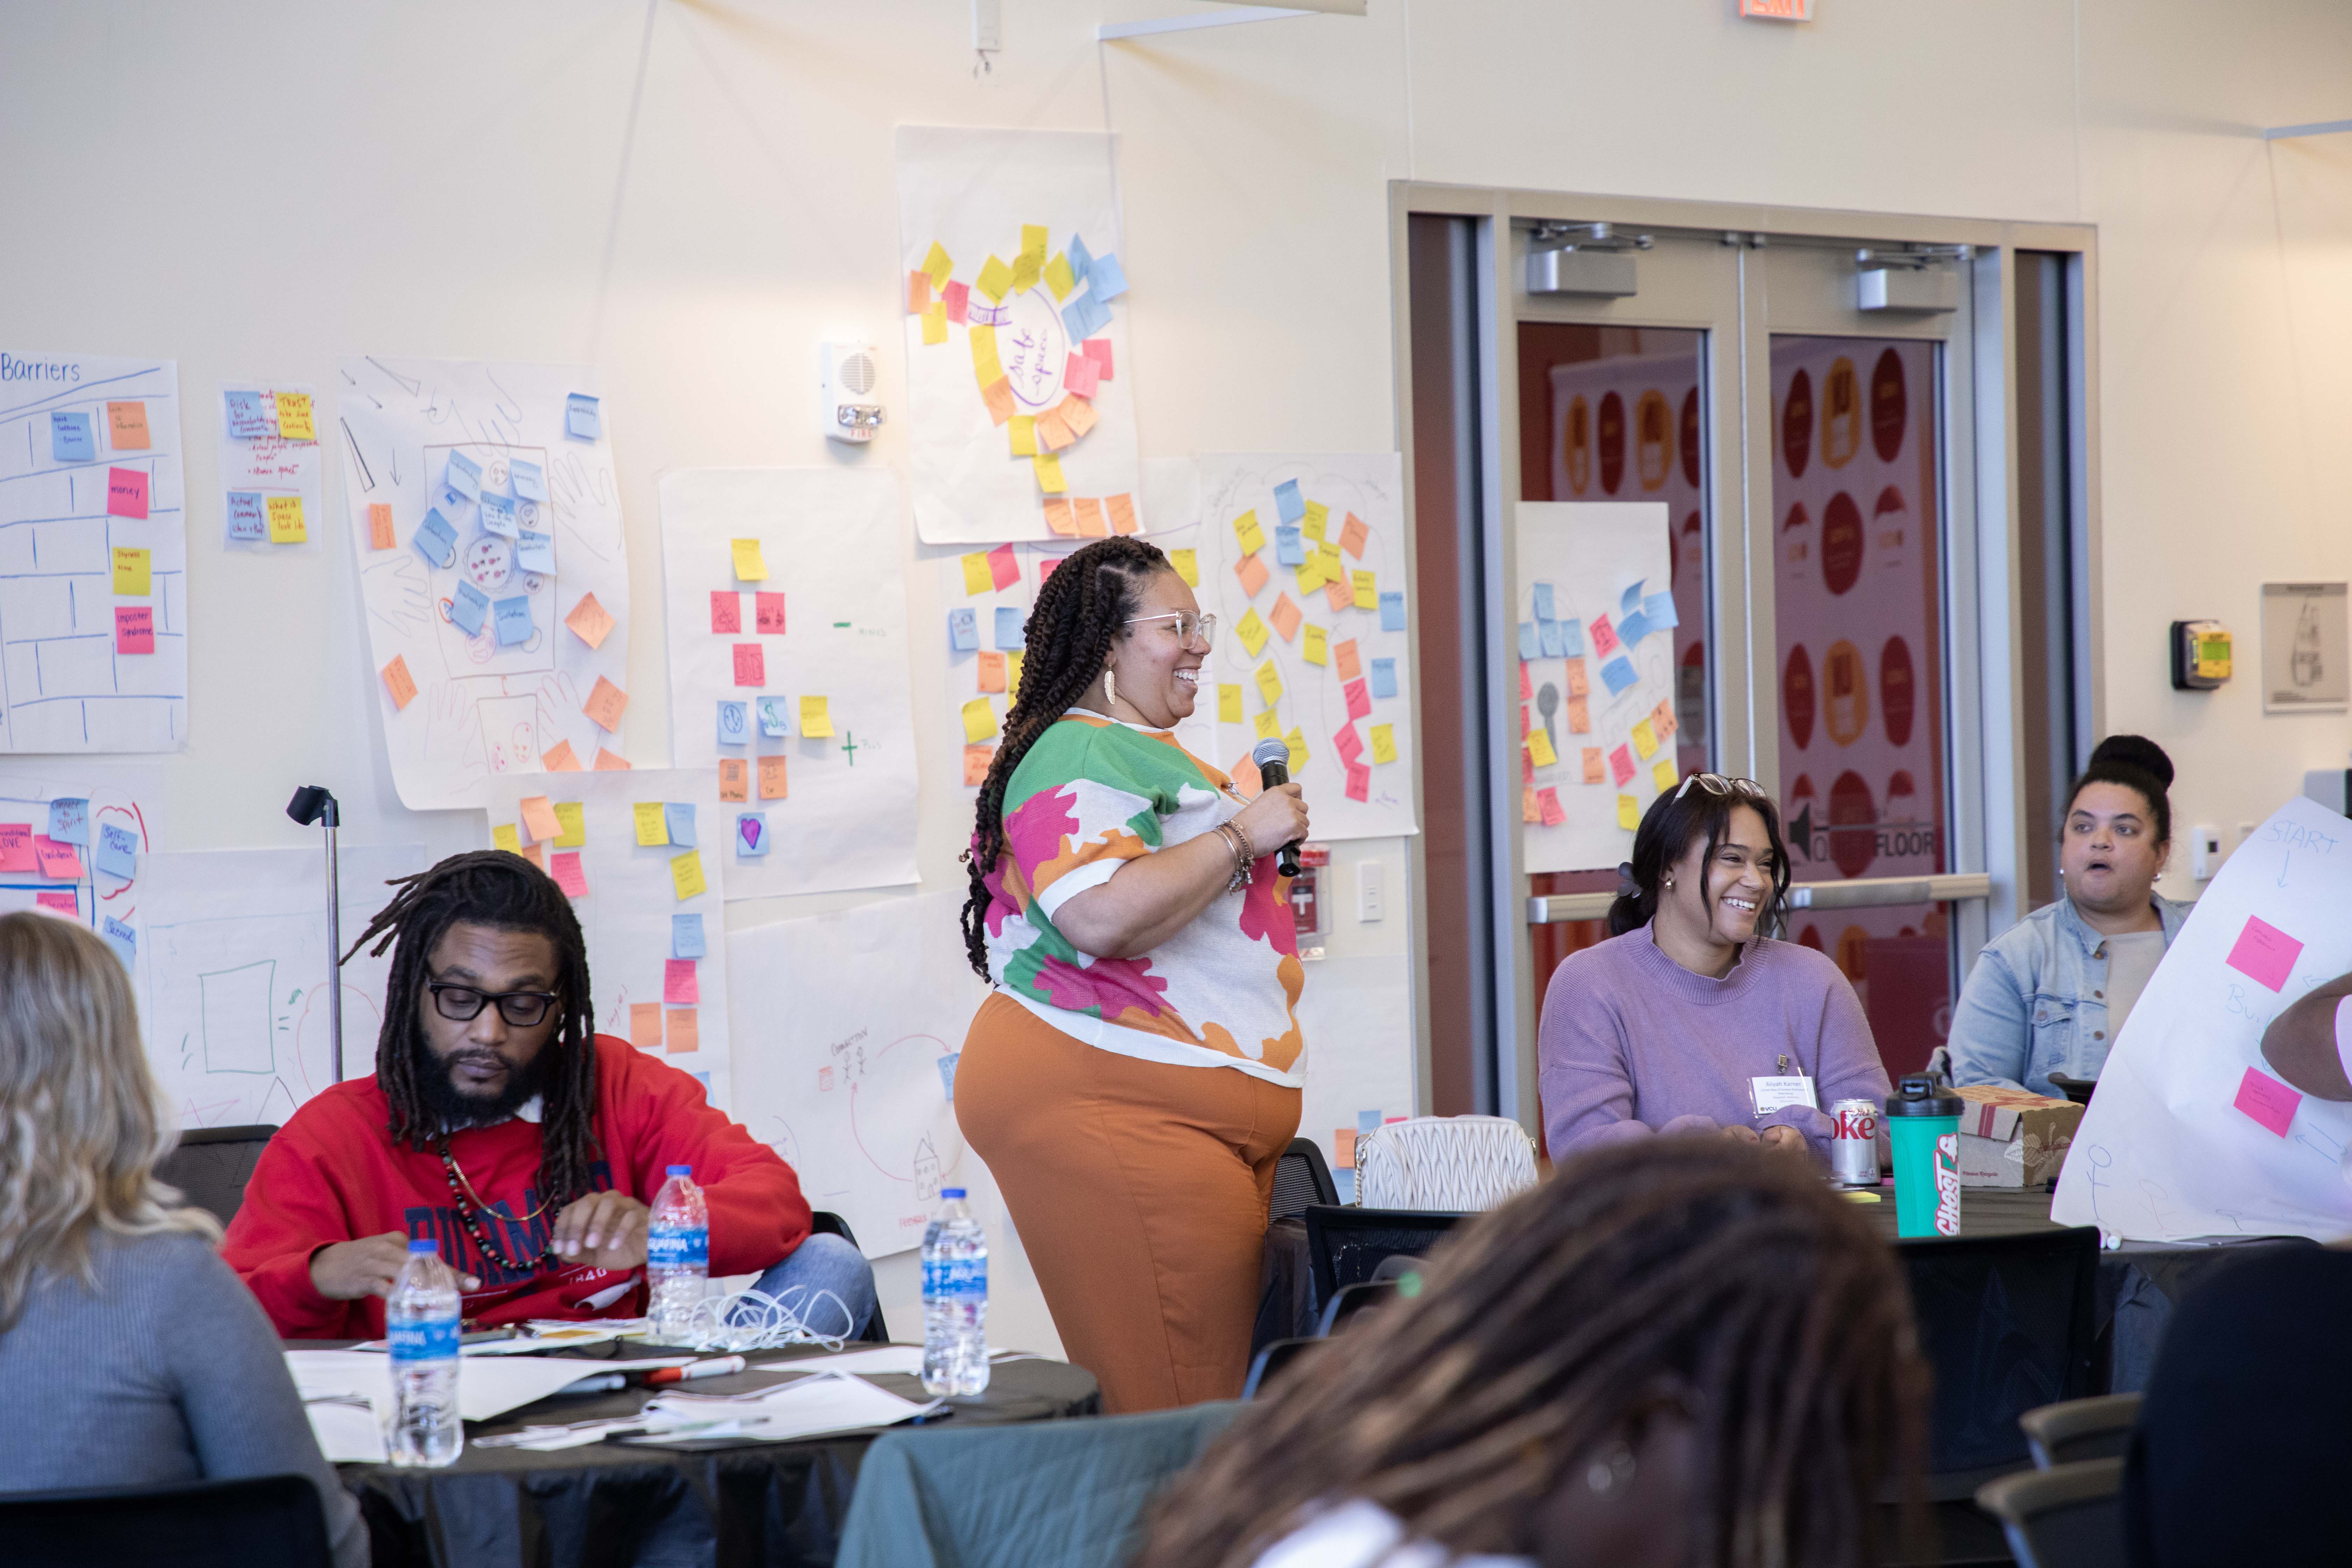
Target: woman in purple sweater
(1687,1019)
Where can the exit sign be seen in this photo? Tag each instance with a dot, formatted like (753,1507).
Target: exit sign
(1778,10)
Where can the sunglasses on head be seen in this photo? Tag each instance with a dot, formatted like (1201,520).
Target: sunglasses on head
(1724,783)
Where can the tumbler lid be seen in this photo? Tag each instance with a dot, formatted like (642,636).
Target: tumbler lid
(1918,1094)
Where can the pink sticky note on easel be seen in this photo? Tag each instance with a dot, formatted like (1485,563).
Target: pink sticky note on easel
(16,847)
(2266,1099)
(679,987)
(2265,953)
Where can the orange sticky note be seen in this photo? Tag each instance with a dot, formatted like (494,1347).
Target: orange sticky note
(396,677)
(1344,661)
(734,778)
(379,525)
(1353,536)
(1121,507)
(1077,415)
(1578,684)
(536,854)
(918,292)
(589,621)
(1286,617)
(1343,1148)
(684,1032)
(605,705)
(1053,433)
(772,783)
(991,672)
(1252,570)
(1058,518)
(1089,514)
(611,761)
(646,1026)
(128,423)
(976,761)
(539,816)
(998,395)
(560,759)
(1337,596)
(1593,764)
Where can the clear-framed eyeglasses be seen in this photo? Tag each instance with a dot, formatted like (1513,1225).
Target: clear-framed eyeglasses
(1723,783)
(1193,631)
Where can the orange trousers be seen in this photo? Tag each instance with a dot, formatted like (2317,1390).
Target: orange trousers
(1140,1190)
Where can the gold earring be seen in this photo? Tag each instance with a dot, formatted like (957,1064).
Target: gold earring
(1110,686)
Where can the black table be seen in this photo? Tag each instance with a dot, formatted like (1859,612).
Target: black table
(608,1504)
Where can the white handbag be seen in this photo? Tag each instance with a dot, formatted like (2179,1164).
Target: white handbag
(1447,1164)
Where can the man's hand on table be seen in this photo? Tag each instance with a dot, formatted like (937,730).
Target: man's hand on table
(351,1269)
(603,1230)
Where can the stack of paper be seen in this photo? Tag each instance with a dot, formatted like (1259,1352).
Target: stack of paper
(808,1407)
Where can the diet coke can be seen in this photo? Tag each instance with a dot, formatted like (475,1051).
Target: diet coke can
(1854,1142)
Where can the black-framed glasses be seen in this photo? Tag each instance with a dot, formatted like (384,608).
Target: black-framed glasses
(1723,783)
(464,1004)
(1188,626)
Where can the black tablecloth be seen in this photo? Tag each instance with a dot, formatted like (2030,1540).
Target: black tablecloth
(606,1505)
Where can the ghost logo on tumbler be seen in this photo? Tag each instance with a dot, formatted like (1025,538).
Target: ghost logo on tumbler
(1947,1183)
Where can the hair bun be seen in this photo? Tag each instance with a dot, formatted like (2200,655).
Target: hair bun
(2134,751)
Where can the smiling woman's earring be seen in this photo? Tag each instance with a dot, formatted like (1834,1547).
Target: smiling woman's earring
(1110,686)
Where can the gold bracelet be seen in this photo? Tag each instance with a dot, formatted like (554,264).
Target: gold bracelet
(1249,848)
(1235,841)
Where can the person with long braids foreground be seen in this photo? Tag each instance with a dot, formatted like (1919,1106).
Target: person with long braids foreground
(1134,1077)
(500,1124)
(1675,1353)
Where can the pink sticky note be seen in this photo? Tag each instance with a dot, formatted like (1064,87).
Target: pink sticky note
(1002,569)
(126,492)
(1350,746)
(751,664)
(2265,1098)
(1359,701)
(134,628)
(58,861)
(1526,686)
(64,901)
(1082,376)
(1604,637)
(564,867)
(957,297)
(1548,802)
(16,847)
(1098,351)
(726,614)
(678,986)
(769,609)
(2265,953)
(1360,781)
(1620,765)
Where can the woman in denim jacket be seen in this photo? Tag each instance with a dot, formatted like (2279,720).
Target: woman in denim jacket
(2051,994)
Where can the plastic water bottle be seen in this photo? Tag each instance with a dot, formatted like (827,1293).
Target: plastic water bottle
(955,1301)
(422,1318)
(678,1256)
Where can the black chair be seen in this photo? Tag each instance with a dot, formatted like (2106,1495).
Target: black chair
(212,1165)
(823,1222)
(1271,1361)
(2070,1516)
(1351,1300)
(260,1521)
(2078,1090)
(1301,1178)
(1347,1245)
(2099,1427)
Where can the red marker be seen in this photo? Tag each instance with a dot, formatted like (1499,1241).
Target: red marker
(717,1367)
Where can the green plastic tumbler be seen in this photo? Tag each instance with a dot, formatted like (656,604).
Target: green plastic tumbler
(1923,1131)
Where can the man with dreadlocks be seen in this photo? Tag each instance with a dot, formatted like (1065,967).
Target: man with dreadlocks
(501,1125)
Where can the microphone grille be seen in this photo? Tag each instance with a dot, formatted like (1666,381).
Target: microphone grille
(1270,750)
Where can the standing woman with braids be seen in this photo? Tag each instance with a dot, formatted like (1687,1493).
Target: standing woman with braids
(1134,1077)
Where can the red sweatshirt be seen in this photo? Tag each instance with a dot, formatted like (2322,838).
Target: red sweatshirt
(333,1173)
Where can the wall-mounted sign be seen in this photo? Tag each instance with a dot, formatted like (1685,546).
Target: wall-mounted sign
(2303,648)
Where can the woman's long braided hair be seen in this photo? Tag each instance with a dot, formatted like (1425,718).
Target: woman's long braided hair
(491,888)
(1545,1333)
(1081,610)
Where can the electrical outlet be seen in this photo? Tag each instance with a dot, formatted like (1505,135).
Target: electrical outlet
(1370,885)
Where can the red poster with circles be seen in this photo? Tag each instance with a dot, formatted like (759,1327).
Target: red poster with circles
(1610,437)
(1796,401)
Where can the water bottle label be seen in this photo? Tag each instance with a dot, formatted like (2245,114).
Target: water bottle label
(677,1249)
(436,1339)
(945,1279)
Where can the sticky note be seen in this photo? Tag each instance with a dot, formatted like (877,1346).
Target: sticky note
(1529,647)
(1580,717)
(1347,743)
(1021,436)
(1571,639)
(570,825)
(69,819)
(1081,375)
(1229,704)
(816,718)
(937,265)
(1633,628)
(751,664)
(2264,952)
(1360,781)
(1003,568)
(122,938)
(16,847)
(1250,570)
(70,437)
(498,516)
(380,526)
(1539,749)
(976,578)
(751,834)
(132,576)
(1548,639)
(685,875)
(1288,502)
(1530,808)
(963,629)
(59,862)
(250,525)
(582,420)
(1058,276)
(1336,594)
(1526,686)
(1085,316)
(251,415)
(645,1020)
(1098,351)
(134,629)
(528,479)
(398,681)
(294,416)
(775,716)
(1593,767)
(1604,637)
(1286,617)
(2266,1099)
(994,278)
(435,540)
(1392,612)
(1664,775)
(734,779)
(1355,536)
(1549,807)
(684,1032)
(1297,744)
(1578,685)
(611,761)
(1662,719)
(1251,631)
(1316,521)
(605,704)
(957,298)
(679,987)
(1658,609)
(512,619)
(1049,473)
(126,492)
(653,824)
(767,610)
(935,323)
(539,819)
(1645,740)
(468,609)
(1367,591)
(776,782)
(589,621)
(1188,566)
(1252,536)
(1107,279)
(1315,648)
(976,763)
(560,758)
(751,566)
(979,720)
(1629,813)
(286,521)
(679,816)
(986,368)
(726,614)
(1620,765)
(1384,743)
(1289,548)
(991,672)
(1269,683)
(127,425)
(1617,674)
(503,837)
(462,474)
(1009,627)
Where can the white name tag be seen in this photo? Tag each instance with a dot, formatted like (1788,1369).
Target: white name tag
(1772,1094)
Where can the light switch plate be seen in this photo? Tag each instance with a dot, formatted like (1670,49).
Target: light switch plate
(1370,888)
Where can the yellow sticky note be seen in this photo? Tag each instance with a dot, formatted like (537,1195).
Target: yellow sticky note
(1327,556)
(1368,595)
(294,416)
(1251,536)
(1312,523)
(504,837)
(1229,704)
(985,367)
(816,716)
(994,278)
(653,823)
(133,572)
(1645,740)
(751,566)
(1058,276)
(977,578)
(935,323)
(1539,749)
(685,875)
(1629,813)
(1269,683)
(1384,742)
(1296,742)
(1021,435)
(979,720)
(1026,271)
(1012,671)
(1664,774)
(938,264)
(574,822)
(1252,632)
(1034,238)
(1049,474)
(286,526)
(1316,649)
(1188,566)
(1270,724)
(1310,574)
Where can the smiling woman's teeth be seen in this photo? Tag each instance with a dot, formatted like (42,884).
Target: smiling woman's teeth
(1188,677)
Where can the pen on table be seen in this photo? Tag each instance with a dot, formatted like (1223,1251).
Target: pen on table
(717,1367)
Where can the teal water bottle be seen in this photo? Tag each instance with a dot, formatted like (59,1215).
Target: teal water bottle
(1923,1131)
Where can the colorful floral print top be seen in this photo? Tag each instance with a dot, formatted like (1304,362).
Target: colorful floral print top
(1092,794)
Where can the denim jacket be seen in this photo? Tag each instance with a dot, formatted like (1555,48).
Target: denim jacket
(2036,1002)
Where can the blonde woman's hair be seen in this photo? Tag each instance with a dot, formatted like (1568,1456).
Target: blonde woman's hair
(81,1125)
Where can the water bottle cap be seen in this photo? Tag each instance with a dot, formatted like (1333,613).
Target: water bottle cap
(950,1191)
(681,1170)
(422,1244)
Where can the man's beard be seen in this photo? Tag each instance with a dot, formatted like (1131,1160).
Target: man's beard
(453,1111)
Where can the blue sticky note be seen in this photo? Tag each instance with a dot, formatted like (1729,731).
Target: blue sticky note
(1108,279)
(1528,646)
(464,475)
(251,415)
(581,419)
(686,935)
(1544,608)
(435,540)
(734,723)
(512,617)
(1548,638)
(1289,545)
(1617,674)
(497,513)
(947,1073)
(1634,628)
(1082,260)
(528,479)
(533,551)
(1658,609)
(1392,611)
(1384,678)
(963,630)
(680,813)
(69,820)
(775,716)
(1083,316)
(117,851)
(1571,639)
(750,834)
(122,939)
(248,522)
(1367,1122)
(1630,599)
(1288,502)
(1008,627)
(69,438)
(467,606)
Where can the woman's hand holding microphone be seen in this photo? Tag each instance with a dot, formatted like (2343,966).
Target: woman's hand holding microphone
(1276,817)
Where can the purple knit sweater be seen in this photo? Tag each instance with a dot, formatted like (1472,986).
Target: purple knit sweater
(1631,1043)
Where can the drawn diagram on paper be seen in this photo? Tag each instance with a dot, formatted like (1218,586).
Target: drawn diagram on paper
(93,555)
(78,851)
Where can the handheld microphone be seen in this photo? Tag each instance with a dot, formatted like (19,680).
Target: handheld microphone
(1273,760)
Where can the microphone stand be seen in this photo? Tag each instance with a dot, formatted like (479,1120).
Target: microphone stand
(312,804)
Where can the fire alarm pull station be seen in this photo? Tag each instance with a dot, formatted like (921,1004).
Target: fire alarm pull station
(2201,654)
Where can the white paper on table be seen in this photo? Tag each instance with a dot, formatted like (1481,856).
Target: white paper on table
(882,1358)
(486,1389)
(2164,1152)
(831,1402)
(347,1434)
(269,465)
(831,544)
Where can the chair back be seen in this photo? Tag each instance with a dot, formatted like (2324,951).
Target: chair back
(823,1222)
(2099,1427)
(1301,1177)
(2069,1516)
(257,1521)
(212,1165)
(1347,1245)
(1047,1494)
(1271,1363)
(1453,1164)
(1351,1300)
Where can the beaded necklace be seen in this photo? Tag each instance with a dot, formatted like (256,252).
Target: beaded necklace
(469,1203)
